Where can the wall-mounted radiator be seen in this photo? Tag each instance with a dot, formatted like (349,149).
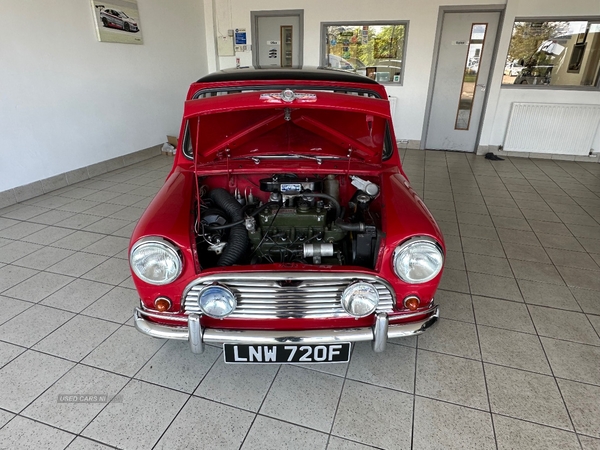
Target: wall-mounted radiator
(552,128)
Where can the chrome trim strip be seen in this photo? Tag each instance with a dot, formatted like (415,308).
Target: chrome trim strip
(414,314)
(184,319)
(278,276)
(270,337)
(163,316)
(262,295)
(158,331)
(195,333)
(398,331)
(380,332)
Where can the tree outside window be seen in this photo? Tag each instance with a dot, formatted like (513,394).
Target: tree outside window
(374,50)
(554,53)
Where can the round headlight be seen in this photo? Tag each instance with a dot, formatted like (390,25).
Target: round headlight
(418,260)
(360,299)
(155,260)
(217,301)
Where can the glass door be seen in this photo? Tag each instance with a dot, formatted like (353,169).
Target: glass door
(286,45)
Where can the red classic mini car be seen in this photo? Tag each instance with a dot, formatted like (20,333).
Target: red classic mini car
(286,229)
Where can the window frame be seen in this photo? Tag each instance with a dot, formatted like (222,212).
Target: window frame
(358,23)
(542,87)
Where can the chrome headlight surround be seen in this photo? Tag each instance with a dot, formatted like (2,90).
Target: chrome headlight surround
(165,254)
(360,299)
(420,251)
(223,301)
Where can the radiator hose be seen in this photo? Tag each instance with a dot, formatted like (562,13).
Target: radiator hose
(357,227)
(238,236)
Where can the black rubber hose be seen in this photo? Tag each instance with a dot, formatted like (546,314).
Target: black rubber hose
(336,204)
(238,236)
(252,214)
(356,227)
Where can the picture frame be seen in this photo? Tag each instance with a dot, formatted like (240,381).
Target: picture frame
(117,21)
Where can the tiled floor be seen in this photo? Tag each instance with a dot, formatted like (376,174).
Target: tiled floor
(514,362)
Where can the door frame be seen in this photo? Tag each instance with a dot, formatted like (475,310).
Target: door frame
(500,8)
(254,15)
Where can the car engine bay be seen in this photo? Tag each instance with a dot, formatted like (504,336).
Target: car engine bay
(285,218)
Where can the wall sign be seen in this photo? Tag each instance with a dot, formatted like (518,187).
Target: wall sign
(460,42)
(272,42)
(240,36)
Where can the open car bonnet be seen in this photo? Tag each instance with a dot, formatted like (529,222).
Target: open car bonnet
(272,123)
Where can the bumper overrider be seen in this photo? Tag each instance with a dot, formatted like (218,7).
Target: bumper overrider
(192,331)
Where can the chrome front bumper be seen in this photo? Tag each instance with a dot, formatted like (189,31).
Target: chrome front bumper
(197,335)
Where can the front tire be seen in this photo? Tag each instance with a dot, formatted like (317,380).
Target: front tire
(104,22)
(126,27)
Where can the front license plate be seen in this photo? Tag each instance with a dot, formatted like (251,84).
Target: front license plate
(283,353)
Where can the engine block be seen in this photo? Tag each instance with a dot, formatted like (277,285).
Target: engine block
(290,227)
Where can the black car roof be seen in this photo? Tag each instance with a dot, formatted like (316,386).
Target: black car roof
(300,73)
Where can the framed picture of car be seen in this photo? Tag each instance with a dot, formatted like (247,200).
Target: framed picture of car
(118,21)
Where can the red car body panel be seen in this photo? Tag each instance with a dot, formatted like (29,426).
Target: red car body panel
(171,213)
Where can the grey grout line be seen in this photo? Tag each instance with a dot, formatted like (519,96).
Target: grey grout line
(45,424)
(548,359)
(420,186)
(337,406)
(122,388)
(560,274)
(190,396)
(31,305)
(485,380)
(414,404)
(62,287)
(261,405)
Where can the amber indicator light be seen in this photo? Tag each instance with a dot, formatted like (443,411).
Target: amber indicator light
(162,304)
(411,303)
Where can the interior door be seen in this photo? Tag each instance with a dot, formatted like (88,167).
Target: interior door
(277,41)
(463,66)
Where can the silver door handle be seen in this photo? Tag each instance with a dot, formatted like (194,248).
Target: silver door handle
(482,86)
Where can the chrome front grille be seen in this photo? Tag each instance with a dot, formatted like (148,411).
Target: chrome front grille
(288,294)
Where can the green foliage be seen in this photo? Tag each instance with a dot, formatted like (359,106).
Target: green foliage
(384,43)
(527,38)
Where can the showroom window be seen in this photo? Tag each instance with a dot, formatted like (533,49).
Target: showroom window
(553,53)
(374,49)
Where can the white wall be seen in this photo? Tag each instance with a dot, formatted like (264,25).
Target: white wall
(500,99)
(422,16)
(68,101)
